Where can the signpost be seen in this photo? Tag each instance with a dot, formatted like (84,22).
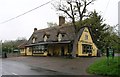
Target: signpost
(109,53)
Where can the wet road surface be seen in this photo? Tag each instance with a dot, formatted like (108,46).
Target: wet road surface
(18,68)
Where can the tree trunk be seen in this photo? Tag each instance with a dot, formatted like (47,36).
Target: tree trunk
(74,49)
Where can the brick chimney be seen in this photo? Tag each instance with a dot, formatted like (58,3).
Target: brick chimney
(35,29)
(61,20)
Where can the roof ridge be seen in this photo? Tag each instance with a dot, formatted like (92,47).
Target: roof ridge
(50,28)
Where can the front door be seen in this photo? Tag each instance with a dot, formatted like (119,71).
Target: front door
(62,51)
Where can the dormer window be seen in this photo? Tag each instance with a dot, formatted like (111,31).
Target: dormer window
(61,33)
(33,40)
(59,37)
(45,38)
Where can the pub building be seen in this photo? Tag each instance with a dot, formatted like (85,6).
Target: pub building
(58,41)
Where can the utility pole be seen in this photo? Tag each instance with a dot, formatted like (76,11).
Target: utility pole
(119,18)
(0,57)
(118,30)
(0,47)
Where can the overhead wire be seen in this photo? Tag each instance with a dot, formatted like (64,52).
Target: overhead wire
(26,12)
(106,8)
(39,7)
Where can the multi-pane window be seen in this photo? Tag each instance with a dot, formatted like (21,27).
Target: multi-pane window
(39,49)
(86,48)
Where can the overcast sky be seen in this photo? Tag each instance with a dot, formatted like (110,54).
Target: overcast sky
(24,25)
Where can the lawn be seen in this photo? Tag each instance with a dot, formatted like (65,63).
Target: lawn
(102,67)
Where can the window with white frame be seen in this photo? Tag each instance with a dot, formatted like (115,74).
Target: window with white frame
(59,37)
(33,40)
(45,38)
(39,48)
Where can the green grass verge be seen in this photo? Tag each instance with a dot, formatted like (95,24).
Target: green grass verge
(101,67)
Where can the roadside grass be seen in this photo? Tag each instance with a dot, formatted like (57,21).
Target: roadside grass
(102,67)
(117,52)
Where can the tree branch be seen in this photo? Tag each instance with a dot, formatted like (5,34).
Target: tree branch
(73,16)
(78,7)
(85,5)
(65,11)
(90,2)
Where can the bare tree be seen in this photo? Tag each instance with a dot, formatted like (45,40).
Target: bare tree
(76,10)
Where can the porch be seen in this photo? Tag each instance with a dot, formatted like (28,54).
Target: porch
(63,48)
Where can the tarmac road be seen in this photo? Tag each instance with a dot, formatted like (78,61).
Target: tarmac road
(55,67)
(18,68)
